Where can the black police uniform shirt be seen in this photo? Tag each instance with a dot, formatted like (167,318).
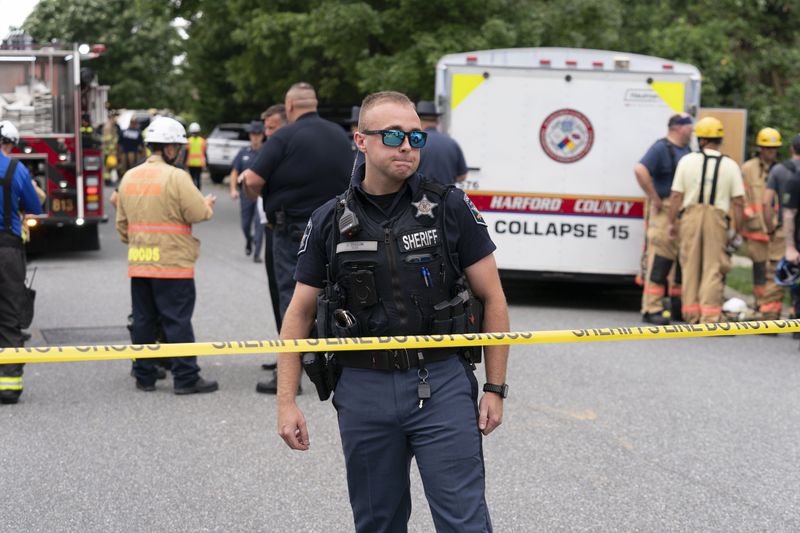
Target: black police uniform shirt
(303,165)
(791,200)
(441,159)
(465,228)
(244,159)
(660,163)
(131,140)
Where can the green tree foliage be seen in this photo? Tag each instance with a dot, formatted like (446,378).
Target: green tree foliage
(141,45)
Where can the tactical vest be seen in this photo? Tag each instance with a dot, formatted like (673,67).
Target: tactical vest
(396,276)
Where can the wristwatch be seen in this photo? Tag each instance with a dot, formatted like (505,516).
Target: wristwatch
(502,390)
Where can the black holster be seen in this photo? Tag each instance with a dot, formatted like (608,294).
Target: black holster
(323,372)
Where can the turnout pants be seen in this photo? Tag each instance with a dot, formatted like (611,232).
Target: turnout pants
(12,298)
(172,302)
(382,428)
(704,263)
(765,256)
(663,269)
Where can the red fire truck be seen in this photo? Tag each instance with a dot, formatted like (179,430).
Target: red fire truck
(57,105)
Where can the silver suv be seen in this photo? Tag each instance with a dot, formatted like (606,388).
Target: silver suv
(224,143)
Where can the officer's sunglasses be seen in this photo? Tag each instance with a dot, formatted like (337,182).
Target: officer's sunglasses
(395,138)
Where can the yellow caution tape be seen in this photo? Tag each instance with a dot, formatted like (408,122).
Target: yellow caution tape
(53,354)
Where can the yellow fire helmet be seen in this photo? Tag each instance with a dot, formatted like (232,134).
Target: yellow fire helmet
(709,128)
(769,138)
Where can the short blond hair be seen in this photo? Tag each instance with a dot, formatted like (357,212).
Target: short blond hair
(371,100)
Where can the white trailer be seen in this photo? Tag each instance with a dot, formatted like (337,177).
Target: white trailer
(551,136)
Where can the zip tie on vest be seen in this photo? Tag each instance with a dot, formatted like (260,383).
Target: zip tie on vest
(104,352)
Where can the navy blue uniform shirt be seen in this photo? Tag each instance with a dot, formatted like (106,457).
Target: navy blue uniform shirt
(303,165)
(244,159)
(131,140)
(464,228)
(23,196)
(659,162)
(441,159)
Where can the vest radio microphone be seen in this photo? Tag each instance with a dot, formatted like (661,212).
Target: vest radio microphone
(349,226)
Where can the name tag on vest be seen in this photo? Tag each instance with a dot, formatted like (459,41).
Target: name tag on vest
(357,246)
(417,240)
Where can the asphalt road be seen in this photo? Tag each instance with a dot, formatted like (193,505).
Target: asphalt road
(676,435)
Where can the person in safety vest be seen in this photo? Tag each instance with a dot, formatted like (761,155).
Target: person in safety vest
(196,154)
(706,184)
(654,173)
(398,254)
(765,247)
(156,207)
(16,193)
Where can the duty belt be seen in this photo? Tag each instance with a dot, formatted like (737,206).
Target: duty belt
(392,359)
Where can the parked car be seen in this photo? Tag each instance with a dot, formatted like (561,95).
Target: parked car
(224,143)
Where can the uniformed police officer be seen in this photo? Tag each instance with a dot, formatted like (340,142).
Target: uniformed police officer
(301,167)
(251,225)
(16,193)
(398,255)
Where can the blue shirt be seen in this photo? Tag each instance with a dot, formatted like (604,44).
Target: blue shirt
(441,159)
(244,159)
(131,140)
(661,164)
(465,229)
(23,196)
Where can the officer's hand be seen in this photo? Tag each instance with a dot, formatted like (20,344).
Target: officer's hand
(292,427)
(234,194)
(491,412)
(792,255)
(656,203)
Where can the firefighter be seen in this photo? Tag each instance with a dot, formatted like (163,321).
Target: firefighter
(196,158)
(764,248)
(706,184)
(156,208)
(16,192)
(655,172)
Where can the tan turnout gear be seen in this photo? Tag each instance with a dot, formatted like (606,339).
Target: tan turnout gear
(662,256)
(158,204)
(712,181)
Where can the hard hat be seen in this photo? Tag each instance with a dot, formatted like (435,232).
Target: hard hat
(194,127)
(709,128)
(8,133)
(787,274)
(165,130)
(111,161)
(769,138)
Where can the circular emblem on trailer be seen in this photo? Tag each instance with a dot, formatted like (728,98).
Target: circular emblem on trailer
(566,135)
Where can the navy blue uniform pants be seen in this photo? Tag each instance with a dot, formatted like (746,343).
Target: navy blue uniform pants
(170,301)
(285,244)
(382,428)
(251,225)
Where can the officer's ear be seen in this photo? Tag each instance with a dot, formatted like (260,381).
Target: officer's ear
(360,141)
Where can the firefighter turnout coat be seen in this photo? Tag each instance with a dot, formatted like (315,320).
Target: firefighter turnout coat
(158,204)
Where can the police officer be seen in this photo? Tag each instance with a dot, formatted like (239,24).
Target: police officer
(251,226)
(16,193)
(301,167)
(706,185)
(398,255)
(441,159)
(156,207)
(764,247)
(655,172)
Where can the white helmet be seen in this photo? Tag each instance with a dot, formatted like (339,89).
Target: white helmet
(8,133)
(194,127)
(735,309)
(165,130)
